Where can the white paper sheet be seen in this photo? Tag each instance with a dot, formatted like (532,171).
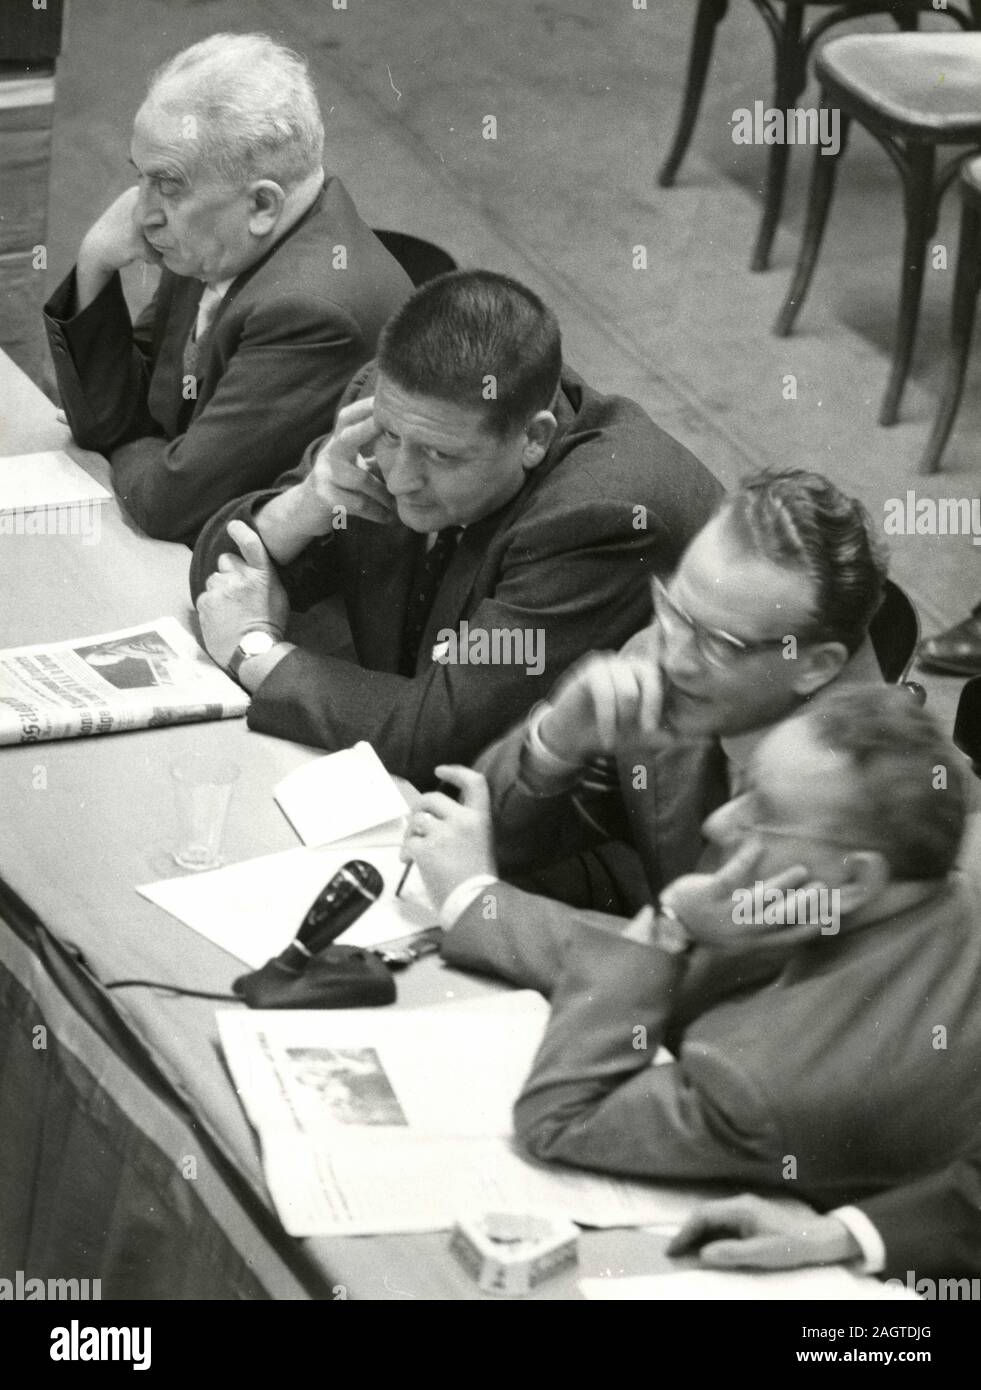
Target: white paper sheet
(340,795)
(376,1121)
(832,1282)
(49,479)
(252,910)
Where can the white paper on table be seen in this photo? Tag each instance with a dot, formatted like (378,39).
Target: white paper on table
(253,910)
(830,1282)
(49,479)
(375,1121)
(340,795)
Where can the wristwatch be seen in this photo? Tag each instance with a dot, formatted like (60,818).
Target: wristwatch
(671,935)
(256,642)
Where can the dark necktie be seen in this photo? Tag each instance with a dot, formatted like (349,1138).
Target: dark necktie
(426,581)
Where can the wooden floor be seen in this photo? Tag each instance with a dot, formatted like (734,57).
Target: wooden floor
(584,93)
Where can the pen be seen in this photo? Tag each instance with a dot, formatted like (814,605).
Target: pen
(405,874)
(447,790)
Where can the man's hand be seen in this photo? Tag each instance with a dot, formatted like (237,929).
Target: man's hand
(449,840)
(753,1233)
(341,477)
(604,699)
(342,482)
(114,240)
(244,593)
(705,903)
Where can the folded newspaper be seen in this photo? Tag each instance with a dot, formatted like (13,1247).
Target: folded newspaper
(399,1120)
(138,678)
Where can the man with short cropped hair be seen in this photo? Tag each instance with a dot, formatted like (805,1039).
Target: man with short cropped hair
(817,991)
(485,516)
(272,290)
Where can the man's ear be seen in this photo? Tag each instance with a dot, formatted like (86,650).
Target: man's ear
(867,875)
(266,202)
(539,433)
(818,666)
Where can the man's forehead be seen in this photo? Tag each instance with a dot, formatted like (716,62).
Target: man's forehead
(429,415)
(793,764)
(726,585)
(161,135)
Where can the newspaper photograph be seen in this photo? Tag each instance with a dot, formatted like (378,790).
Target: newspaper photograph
(138,678)
(370,1122)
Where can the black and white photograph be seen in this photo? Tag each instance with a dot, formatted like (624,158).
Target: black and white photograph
(577,402)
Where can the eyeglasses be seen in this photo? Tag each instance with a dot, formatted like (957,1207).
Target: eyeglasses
(749,823)
(713,644)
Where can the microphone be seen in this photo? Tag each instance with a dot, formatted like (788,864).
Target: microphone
(351,891)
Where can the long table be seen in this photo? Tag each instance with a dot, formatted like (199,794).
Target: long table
(124,1151)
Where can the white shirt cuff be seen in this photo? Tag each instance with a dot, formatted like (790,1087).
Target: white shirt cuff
(461,897)
(870,1243)
(543,772)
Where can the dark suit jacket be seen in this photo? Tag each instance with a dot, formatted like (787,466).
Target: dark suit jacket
(283,344)
(932,1227)
(562,558)
(831,1063)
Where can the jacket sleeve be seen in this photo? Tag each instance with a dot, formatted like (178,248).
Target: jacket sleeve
(933,1226)
(276,393)
(101,361)
(567,821)
(593,1099)
(310,576)
(570,595)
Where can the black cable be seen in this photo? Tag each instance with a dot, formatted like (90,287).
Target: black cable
(173,989)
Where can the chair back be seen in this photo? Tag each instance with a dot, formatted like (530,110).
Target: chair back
(421,260)
(967,724)
(895,636)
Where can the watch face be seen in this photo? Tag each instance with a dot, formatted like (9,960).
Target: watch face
(255,643)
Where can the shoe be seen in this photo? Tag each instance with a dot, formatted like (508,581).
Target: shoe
(956,651)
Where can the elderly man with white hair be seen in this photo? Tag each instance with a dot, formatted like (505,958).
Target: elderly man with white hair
(272,290)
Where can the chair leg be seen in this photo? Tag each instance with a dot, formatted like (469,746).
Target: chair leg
(967,289)
(920,206)
(790,80)
(823,177)
(710,13)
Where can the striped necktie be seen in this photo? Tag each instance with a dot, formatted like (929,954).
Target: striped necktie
(426,581)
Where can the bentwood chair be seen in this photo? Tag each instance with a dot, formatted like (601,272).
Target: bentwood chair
(793,45)
(895,635)
(421,260)
(967,723)
(967,288)
(915,93)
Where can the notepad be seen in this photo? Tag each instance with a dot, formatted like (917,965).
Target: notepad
(29,482)
(343,794)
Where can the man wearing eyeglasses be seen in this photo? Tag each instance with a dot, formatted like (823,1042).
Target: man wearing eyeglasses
(825,1061)
(598,798)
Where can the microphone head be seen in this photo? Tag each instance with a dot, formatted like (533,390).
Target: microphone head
(367,876)
(352,890)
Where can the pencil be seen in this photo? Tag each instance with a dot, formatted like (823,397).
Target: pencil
(405,875)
